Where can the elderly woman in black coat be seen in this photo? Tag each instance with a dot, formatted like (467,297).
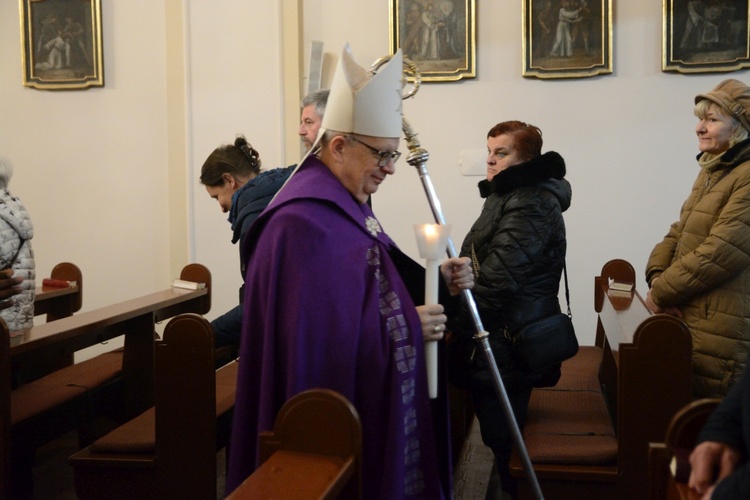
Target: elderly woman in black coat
(517,246)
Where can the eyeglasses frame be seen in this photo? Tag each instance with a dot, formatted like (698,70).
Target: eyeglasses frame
(384,157)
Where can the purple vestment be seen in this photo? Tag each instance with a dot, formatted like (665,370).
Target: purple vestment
(325,307)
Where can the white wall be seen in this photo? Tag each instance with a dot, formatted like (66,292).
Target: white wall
(93,166)
(234,88)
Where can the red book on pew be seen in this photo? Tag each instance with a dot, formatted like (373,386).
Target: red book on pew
(57,283)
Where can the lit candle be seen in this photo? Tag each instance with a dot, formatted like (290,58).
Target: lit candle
(432,240)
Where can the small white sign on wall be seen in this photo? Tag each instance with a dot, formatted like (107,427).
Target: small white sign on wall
(473,162)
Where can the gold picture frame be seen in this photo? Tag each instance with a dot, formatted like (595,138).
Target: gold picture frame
(567,38)
(61,44)
(439,36)
(705,37)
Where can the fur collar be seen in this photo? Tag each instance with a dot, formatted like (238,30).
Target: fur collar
(543,167)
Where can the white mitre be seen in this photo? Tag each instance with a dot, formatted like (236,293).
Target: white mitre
(362,103)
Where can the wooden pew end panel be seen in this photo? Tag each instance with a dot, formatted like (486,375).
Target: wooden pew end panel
(680,439)
(317,435)
(199,273)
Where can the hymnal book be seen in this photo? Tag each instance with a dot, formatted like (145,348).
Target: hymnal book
(188,285)
(620,287)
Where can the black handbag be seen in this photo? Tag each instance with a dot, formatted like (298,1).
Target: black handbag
(549,341)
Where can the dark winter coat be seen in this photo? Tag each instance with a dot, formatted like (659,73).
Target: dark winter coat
(247,204)
(250,200)
(518,243)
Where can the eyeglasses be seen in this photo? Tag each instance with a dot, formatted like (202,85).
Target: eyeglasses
(384,157)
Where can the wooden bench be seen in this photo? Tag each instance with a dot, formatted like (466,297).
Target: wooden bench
(118,384)
(314,451)
(55,302)
(588,436)
(60,302)
(679,441)
(170,450)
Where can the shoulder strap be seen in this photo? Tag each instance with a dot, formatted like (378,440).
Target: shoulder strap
(15,255)
(567,291)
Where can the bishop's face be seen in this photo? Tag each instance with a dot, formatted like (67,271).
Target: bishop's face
(357,167)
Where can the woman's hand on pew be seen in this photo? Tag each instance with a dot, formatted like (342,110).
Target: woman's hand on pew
(9,286)
(706,459)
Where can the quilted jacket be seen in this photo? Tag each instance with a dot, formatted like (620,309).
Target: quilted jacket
(519,243)
(703,266)
(519,240)
(15,225)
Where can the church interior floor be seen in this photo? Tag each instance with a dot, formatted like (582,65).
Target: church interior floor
(53,476)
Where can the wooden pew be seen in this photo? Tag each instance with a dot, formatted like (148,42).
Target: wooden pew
(588,436)
(122,380)
(170,450)
(55,303)
(314,451)
(60,302)
(679,441)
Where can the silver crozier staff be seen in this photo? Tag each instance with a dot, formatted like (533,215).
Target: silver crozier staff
(418,158)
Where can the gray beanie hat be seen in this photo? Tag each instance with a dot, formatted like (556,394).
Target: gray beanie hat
(734,97)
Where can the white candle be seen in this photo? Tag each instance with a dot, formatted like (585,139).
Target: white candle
(432,240)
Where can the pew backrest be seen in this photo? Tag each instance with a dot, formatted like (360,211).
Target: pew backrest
(60,302)
(169,451)
(679,441)
(54,302)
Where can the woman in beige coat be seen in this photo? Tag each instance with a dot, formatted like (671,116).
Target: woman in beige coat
(701,270)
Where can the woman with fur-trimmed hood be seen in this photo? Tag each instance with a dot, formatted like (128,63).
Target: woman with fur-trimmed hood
(517,246)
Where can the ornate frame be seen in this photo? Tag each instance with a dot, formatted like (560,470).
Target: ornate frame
(61,44)
(438,36)
(703,39)
(567,38)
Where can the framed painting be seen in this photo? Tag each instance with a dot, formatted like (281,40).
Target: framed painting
(704,36)
(567,38)
(439,36)
(61,43)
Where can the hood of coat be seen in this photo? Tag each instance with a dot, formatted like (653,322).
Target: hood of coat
(546,170)
(13,212)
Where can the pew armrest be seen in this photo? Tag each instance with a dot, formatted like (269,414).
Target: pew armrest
(679,439)
(317,436)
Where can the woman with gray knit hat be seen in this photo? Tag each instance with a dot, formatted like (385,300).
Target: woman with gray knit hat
(701,269)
